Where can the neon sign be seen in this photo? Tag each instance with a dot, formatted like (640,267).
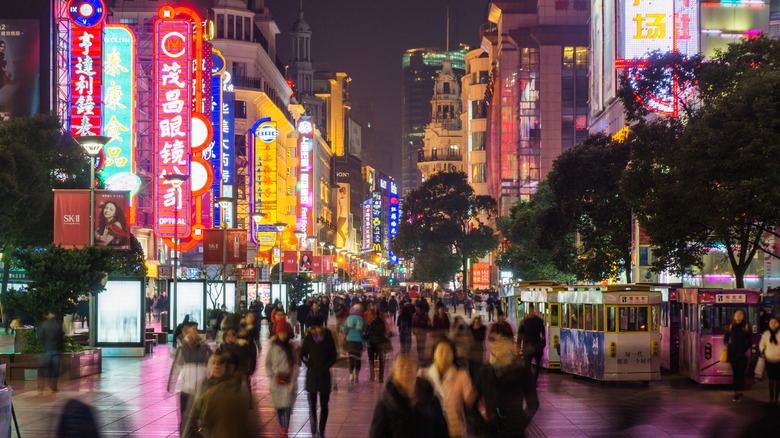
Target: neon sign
(263,184)
(393,224)
(305,174)
(214,151)
(228,134)
(118,170)
(173,47)
(86,48)
(367,224)
(376,222)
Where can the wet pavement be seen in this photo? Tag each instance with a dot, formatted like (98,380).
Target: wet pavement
(130,399)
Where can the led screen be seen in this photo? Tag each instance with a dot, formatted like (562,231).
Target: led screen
(19,68)
(189,301)
(120,312)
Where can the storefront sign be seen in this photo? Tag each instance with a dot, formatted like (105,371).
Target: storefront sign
(86,50)
(393,225)
(367,232)
(376,221)
(305,174)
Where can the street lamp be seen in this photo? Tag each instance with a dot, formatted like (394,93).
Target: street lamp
(176,181)
(322,262)
(92,144)
(256,217)
(224,203)
(280,226)
(298,235)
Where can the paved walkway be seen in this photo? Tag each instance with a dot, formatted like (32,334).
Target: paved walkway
(130,400)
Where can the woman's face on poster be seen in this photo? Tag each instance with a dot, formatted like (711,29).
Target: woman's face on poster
(109,211)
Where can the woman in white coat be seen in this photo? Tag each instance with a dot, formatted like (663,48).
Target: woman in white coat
(770,348)
(282,367)
(451,385)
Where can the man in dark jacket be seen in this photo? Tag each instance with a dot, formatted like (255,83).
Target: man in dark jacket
(504,385)
(392,307)
(420,325)
(531,332)
(408,407)
(53,339)
(319,354)
(303,316)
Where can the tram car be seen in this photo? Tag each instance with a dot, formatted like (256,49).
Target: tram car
(513,303)
(671,311)
(611,333)
(706,315)
(546,304)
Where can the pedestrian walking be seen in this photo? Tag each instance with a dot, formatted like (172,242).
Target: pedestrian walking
(408,407)
(491,307)
(531,332)
(738,342)
(451,385)
(420,326)
(353,332)
(461,336)
(292,318)
(468,307)
(221,407)
(476,355)
(189,366)
(440,324)
(303,315)
(375,334)
(392,307)
(52,339)
(281,367)
(319,354)
(770,349)
(506,391)
(404,324)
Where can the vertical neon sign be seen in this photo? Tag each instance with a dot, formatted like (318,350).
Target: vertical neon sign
(376,223)
(228,137)
(215,148)
(305,174)
(86,48)
(393,224)
(173,46)
(367,224)
(262,175)
(118,170)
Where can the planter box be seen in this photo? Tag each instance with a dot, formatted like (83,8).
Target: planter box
(72,365)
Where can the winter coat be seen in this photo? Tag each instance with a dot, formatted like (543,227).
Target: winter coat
(189,363)
(392,305)
(221,408)
(405,320)
(454,391)
(477,349)
(303,313)
(353,328)
(738,339)
(771,350)
(277,362)
(396,416)
(503,391)
(318,357)
(440,323)
(420,320)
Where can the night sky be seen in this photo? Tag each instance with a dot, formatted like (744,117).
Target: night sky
(366,38)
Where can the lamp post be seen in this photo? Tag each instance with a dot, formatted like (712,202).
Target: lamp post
(92,144)
(298,235)
(224,203)
(176,181)
(322,262)
(330,253)
(256,217)
(280,226)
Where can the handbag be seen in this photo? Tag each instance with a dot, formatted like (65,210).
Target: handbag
(760,368)
(724,356)
(283,378)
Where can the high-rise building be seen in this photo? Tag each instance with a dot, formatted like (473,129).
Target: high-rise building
(420,69)
(474,118)
(538,91)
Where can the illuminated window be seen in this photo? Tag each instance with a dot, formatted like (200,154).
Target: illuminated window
(478,141)
(582,58)
(434,153)
(453,150)
(479,173)
(568,58)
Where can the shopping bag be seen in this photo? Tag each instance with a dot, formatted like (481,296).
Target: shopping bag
(760,368)
(724,356)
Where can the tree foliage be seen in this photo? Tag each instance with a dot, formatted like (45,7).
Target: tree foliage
(130,262)
(587,200)
(441,217)
(533,250)
(712,181)
(58,276)
(37,156)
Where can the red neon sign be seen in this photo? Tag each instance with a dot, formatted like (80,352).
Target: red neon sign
(86,51)
(173,92)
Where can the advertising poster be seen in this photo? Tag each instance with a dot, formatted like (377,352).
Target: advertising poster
(264,293)
(212,247)
(481,275)
(20,75)
(120,313)
(342,214)
(112,227)
(305,175)
(327,265)
(71,218)
(290,262)
(306,262)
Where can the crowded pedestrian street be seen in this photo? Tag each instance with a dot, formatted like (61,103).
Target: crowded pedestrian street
(130,399)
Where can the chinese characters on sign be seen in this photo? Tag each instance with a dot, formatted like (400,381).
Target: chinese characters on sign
(481,275)
(376,221)
(214,152)
(634,299)
(228,136)
(367,224)
(262,174)
(119,108)
(306,174)
(86,44)
(172,125)
(649,26)
(393,222)
(731,298)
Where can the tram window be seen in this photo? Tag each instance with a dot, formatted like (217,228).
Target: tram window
(706,319)
(641,319)
(576,316)
(610,318)
(588,317)
(600,316)
(654,318)
(565,316)
(674,314)
(554,320)
(623,319)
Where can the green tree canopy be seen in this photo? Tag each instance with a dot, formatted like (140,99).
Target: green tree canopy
(444,216)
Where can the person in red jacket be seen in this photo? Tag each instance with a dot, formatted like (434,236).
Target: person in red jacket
(440,326)
(420,326)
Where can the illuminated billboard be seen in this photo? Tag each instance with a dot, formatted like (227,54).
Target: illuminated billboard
(213,153)
(367,242)
(392,220)
(173,47)
(86,49)
(376,221)
(305,174)
(649,26)
(20,47)
(118,168)
(263,180)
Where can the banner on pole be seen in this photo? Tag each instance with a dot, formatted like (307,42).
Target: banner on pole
(213,241)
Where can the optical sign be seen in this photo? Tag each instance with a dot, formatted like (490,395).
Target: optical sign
(86,13)
(173,92)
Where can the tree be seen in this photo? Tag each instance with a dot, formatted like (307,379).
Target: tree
(532,249)
(587,200)
(443,216)
(130,262)
(37,156)
(299,287)
(58,276)
(713,182)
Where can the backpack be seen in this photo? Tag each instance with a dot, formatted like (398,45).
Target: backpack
(374,333)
